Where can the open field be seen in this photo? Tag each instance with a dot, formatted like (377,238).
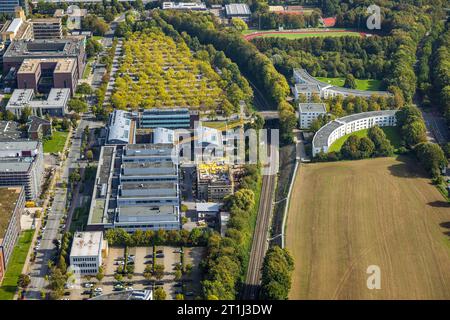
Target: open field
(56,143)
(361,84)
(391,133)
(346,216)
(302,33)
(14,269)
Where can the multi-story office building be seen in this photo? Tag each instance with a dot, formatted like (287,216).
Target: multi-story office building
(238,10)
(121,128)
(308,85)
(22,164)
(47,28)
(9,6)
(214,182)
(12,204)
(16,29)
(308,112)
(53,49)
(86,254)
(195,6)
(165,118)
(142,194)
(338,128)
(42,75)
(56,104)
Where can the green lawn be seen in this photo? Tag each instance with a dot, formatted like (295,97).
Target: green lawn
(221,125)
(391,133)
(361,84)
(15,266)
(56,143)
(87,70)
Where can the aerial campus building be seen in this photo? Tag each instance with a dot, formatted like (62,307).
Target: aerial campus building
(56,104)
(197,6)
(55,63)
(335,129)
(307,85)
(238,10)
(22,164)
(12,204)
(308,112)
(86,254)
(137,187)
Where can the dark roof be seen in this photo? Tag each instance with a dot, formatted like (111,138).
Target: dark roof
(35,122)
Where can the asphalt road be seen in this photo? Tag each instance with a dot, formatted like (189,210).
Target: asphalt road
(260,243)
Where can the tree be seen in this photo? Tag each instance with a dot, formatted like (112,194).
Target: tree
(366,147)
(239,24)
(431,157)
(277,271)
(159,294)
(178,275)
(26,113)
(89,155)
(179,296)
(100,275)
(350,81)
(158,271)
(84,89)
(78,105)
(148,272)
(350,148)
(23,281)
(93,47)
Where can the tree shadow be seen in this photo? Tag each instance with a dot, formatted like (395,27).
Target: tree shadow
(446,225)
(407,169)
(439,204)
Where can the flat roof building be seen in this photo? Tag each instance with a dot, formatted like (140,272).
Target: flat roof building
(197,6)
(22,164)
(56,104)
(165,118)
(338,128)
(214,182)
(306,84)
(308,112)
(238,10)
(87,252)
(12,204)
(21,50)
(121,128)
(47,28)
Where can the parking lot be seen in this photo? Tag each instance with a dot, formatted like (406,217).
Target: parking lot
(167,256)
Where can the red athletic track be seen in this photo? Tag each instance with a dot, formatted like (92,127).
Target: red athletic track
(259,34)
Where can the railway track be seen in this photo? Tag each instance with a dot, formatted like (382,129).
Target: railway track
(259,245)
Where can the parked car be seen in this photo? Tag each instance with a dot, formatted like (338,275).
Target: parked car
(88,285)
(98,290)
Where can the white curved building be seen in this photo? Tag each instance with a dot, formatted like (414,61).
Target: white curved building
(308,85)
(338,128)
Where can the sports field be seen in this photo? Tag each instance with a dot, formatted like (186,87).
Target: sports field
(391,133)
(361,84)
(346,216)
(297,34)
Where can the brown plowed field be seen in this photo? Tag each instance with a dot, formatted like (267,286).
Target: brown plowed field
(345,216)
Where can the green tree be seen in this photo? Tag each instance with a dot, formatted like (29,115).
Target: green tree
(26,113)
(350,81)
(431,157)
(277,271)
(239,24)
(158,271)
(23,281)
(78,105)
(159,294)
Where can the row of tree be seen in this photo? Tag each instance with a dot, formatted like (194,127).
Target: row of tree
(430,155)
(376,144)
(195,237)
(255,65)
(227,257)
(276,274)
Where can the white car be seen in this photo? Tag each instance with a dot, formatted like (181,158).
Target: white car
(98,290)
(88,285)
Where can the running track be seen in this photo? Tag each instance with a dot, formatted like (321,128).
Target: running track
(260,34)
